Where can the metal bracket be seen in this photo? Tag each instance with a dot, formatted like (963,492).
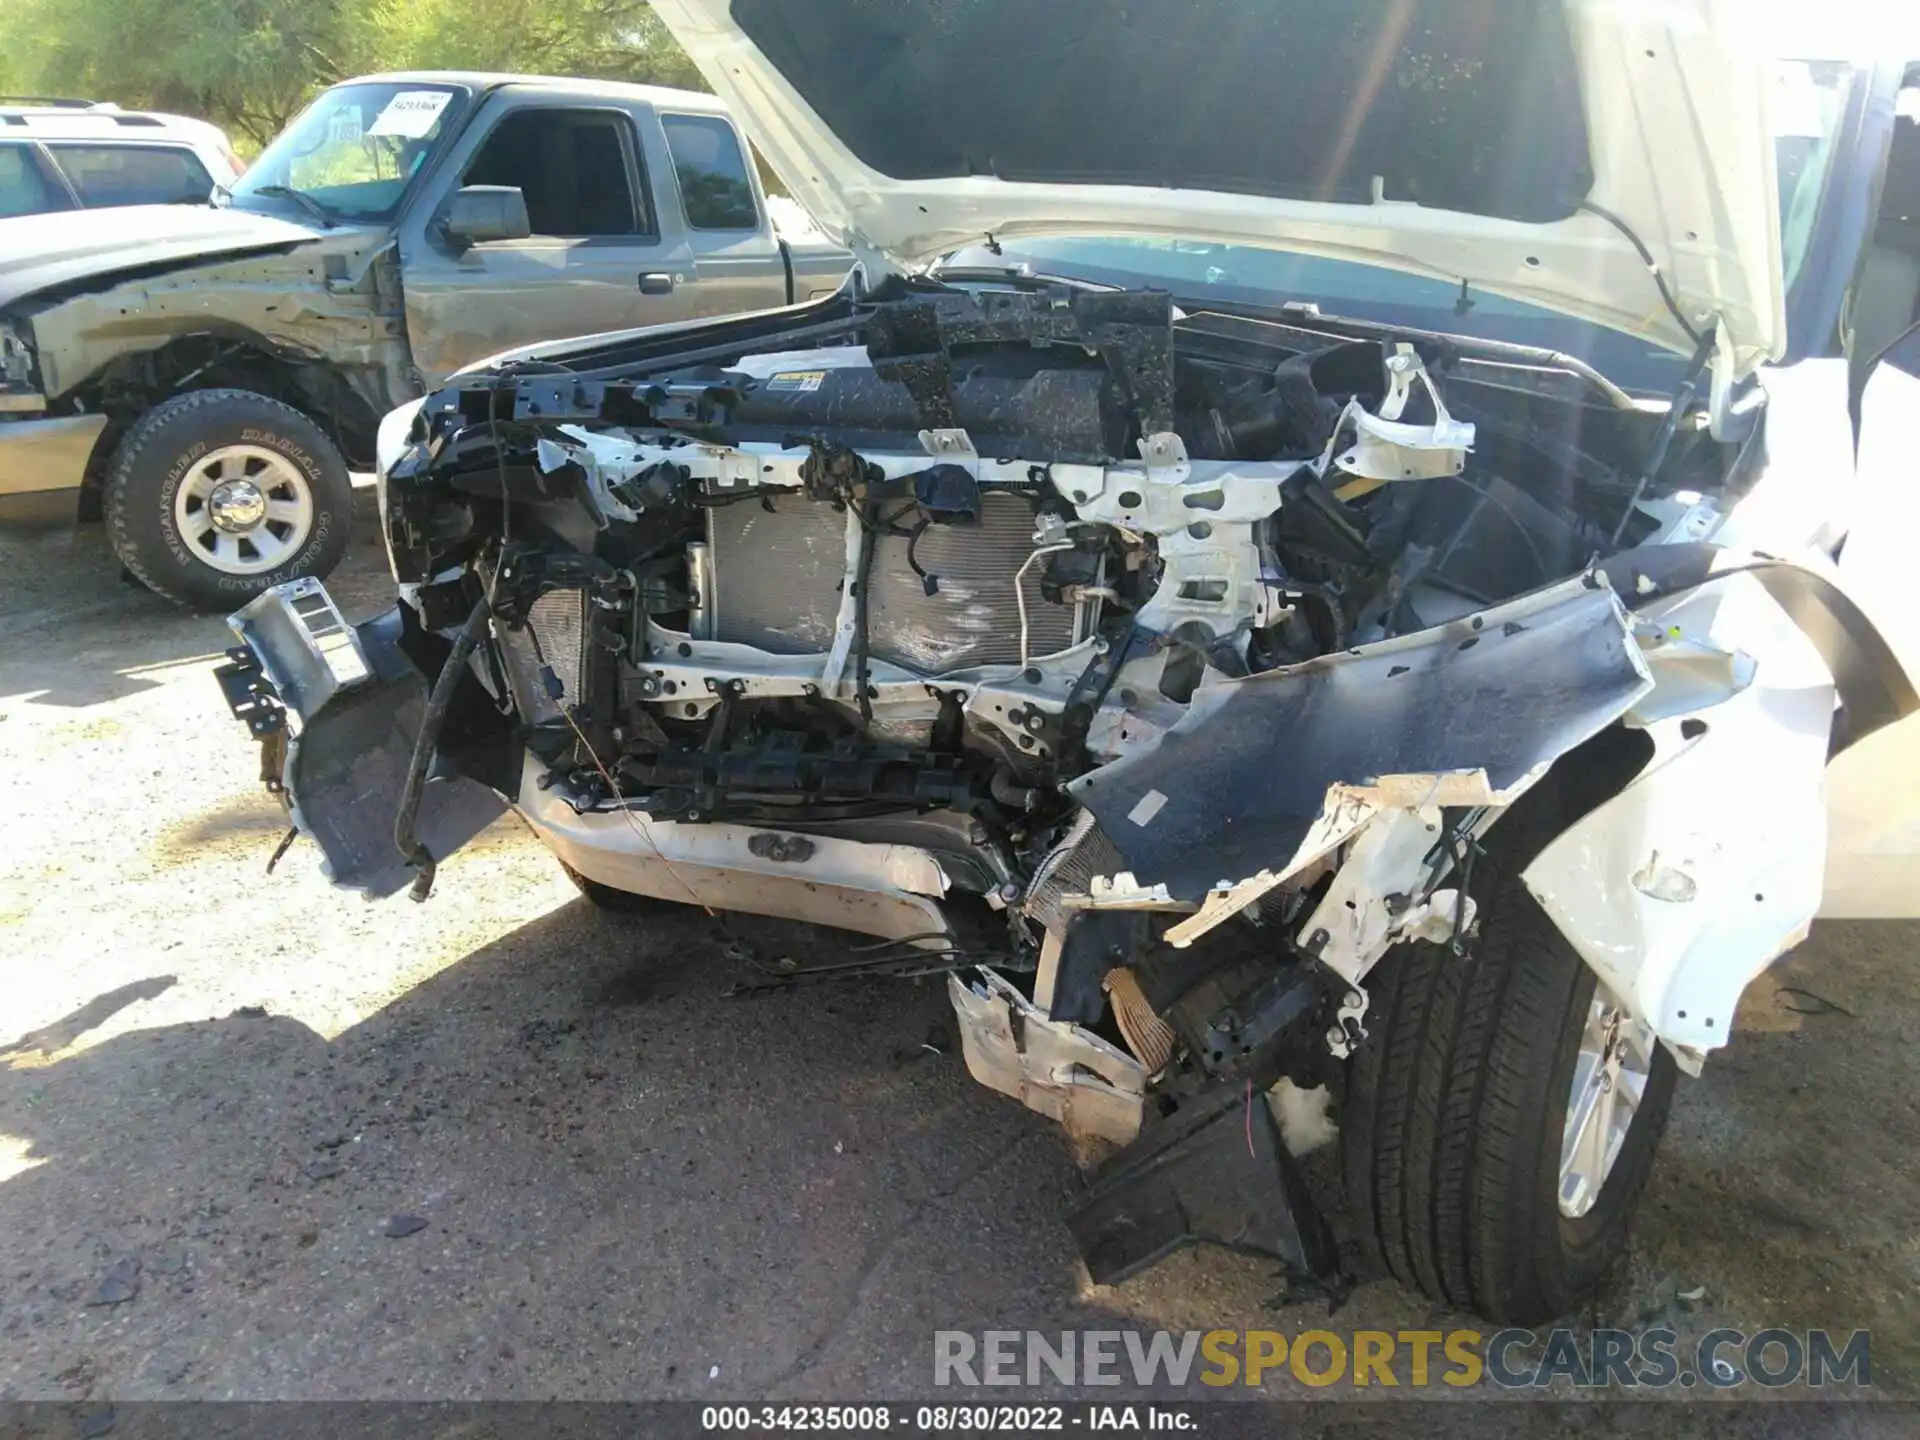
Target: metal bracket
(1166,457)
(254,701)
(250,694)
(1386,448)
(949,444)
(1347,1031)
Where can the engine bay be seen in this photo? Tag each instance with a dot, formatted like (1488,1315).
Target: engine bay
(978,545)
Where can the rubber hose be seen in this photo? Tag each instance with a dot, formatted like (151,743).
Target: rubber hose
(425,745)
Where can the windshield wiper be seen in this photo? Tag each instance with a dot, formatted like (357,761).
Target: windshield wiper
(305,201)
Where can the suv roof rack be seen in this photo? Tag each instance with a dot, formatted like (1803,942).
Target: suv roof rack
(55,102)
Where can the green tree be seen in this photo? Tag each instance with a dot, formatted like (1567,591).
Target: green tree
(249,65)
(601,39)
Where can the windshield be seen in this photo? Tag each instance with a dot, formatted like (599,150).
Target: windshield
(1203,273)
(1809,100)
(353,151)
(1809,104)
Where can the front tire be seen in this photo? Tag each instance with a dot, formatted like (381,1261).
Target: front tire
(624,903)
(1459,1100)
(216,495)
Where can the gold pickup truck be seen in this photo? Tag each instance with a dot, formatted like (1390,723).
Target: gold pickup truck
(204,377)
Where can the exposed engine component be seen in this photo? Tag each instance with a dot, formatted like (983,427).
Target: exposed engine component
(940,590)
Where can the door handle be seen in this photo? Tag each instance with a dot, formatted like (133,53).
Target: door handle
(656,282)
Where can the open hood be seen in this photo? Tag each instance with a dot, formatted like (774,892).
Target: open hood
(1509,144)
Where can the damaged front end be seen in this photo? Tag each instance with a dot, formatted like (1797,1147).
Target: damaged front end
(1149,674)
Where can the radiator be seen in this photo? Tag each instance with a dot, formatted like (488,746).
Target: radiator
(777,586)
(557,622)
(776,575)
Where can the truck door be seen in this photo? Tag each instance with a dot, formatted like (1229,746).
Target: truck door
(736,258)
(600,255)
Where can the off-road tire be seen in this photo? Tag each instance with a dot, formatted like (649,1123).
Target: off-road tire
(155,457)
(1457,1099)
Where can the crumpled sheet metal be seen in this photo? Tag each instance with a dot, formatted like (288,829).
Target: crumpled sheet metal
(1057,1069)
(1266,774)
(1686,884)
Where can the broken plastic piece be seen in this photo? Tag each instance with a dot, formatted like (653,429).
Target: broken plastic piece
(1215,1173)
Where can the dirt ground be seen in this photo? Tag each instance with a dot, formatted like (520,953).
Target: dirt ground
(219,1087)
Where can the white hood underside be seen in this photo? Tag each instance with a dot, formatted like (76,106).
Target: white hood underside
(1674,100)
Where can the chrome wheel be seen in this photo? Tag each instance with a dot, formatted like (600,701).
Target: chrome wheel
(1609,1080)
(244,509)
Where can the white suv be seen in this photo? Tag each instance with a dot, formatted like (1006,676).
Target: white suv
(78,155)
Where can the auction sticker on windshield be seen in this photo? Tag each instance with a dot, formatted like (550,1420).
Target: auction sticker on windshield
(411,113)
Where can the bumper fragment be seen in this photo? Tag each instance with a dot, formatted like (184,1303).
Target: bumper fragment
(358,702)
(1054,1068)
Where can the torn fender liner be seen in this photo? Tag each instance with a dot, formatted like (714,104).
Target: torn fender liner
(346,775)
(1215,1172)
(1242,784)
(1874,689)
(348,765)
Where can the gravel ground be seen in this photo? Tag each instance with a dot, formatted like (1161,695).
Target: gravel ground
(218,1089)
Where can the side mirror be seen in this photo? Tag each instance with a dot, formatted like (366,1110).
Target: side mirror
(481,213)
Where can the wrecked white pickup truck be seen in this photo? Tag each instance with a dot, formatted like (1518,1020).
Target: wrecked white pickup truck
(1228,698)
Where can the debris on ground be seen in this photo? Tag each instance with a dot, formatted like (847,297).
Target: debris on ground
(1810,1003)
(401,1226)
(119,1285)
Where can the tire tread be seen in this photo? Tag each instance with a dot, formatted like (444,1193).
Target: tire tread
(1451,1096)
(124,478)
